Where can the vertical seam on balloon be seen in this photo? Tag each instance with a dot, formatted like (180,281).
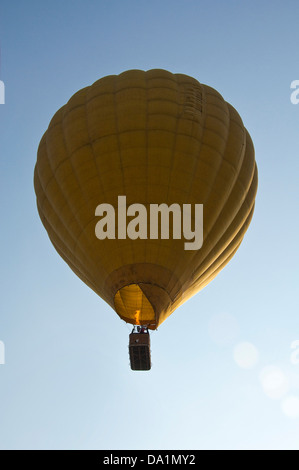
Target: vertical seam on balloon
(80,186)
(79,271)
(197,161)
(223,203)
(176,269)
(62,193)
(147,156)
(147,153)
(215,269)
(248,204)
(217,264)
(174,132)
(91,143)
(117,78)
(236,181)
(200,143)
(207,196)
(64,248)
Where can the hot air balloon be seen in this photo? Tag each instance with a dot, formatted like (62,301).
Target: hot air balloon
(145,139)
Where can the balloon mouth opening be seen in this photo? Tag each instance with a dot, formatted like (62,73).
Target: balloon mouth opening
(143,293)
(133,306)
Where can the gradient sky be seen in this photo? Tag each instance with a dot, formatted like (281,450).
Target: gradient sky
(66,382)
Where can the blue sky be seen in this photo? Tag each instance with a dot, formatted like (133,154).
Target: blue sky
(66,382)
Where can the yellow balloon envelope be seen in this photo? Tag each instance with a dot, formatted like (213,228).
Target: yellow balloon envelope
(150,138)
